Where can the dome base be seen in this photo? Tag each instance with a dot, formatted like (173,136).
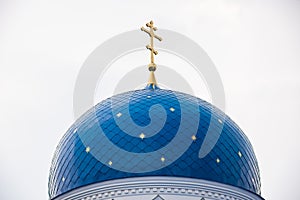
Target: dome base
(167,188)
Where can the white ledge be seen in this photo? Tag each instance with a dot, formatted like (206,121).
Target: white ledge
(154,185)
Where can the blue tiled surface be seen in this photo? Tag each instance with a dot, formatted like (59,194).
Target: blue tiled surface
(73,166)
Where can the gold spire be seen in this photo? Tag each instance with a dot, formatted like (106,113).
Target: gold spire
(152,65)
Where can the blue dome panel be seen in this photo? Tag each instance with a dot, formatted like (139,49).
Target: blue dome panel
(146,121)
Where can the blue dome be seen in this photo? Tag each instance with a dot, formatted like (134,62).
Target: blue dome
(153,132)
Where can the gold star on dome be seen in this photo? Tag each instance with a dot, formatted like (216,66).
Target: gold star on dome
(172,109)
(162,159)
(87,149)
(194,138)
(110,163)
(142,136)
(119,114)
(218,160)
(240,154)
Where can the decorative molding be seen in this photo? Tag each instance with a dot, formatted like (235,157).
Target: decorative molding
(181,187)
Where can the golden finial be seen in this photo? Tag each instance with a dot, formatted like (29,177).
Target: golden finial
(152,65)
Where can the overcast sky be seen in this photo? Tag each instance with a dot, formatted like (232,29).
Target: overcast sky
(255,46)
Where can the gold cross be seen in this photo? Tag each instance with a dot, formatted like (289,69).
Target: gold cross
(152,65)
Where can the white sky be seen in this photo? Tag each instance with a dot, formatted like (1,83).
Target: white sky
(254,44)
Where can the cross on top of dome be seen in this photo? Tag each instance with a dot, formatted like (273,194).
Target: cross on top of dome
(152,65)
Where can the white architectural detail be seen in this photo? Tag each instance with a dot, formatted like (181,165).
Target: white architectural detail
(168,188)
(158,198)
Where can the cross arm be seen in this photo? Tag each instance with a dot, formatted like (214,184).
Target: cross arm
(157,37)
(145,30)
